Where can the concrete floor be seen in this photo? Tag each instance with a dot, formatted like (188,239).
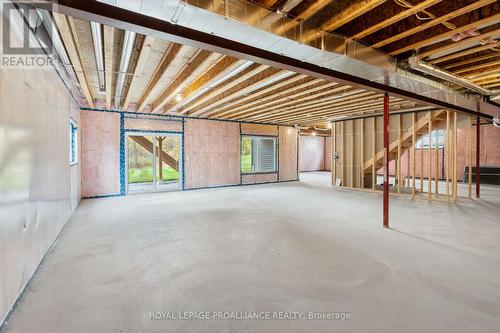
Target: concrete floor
(299,246)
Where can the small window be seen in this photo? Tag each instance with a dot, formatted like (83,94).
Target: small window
(423,143)
(73,142)
(258,154)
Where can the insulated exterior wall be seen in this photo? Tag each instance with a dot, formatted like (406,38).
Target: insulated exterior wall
(259,129)
(100,153)
(312,153)
(212,153)
(38,187)
(259,178)
(152,125)
(288,150)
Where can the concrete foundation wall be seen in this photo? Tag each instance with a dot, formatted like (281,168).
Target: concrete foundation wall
(39,189)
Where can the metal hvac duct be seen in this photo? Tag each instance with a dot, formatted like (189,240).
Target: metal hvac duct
(325,50)
(421,66)
(99,54)
(126,54)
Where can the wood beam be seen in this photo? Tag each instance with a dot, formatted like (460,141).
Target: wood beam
(471,61)
(462,43)
(269,93)
(356,9)
(330,106)
(109,35)
(446,35)
(168,57)
(398,17)
(222,67)
(327,111)
(476,67)
(272,103)
(169,92)
(461,53)
(434,22)
(245,87)
(317,104)
(245,75)
(71,44)
(139,68)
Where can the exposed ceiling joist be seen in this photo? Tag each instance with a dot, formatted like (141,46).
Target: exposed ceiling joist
(251,86)
(109,34)
(70,42)
(461,44)
(434,22)
(356,9)
(306,105)
(331,102)
(446,35)
(202,58)
(303,89)
(139,67)
(255,69)
(476,67)
(169,56)
(461,54)
(244,87)
(262,95)
(221,68)
(472,60)
(309,94)
(398,17)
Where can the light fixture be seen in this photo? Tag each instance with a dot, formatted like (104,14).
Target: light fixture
(178,97)
(313,133)
(329,125)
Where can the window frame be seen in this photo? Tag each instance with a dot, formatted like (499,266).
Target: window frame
(275,150)
(73,142)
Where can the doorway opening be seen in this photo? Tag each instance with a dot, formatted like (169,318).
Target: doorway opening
(153,162)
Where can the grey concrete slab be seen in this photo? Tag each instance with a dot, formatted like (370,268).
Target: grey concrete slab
(298,246)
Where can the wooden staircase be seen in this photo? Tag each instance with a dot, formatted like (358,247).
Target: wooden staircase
(421,129)
(165,157)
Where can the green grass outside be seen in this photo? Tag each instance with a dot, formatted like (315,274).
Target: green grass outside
(143,175)
(246,163)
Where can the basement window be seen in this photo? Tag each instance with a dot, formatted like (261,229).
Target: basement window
(258,154)
(73,144)
(423,143)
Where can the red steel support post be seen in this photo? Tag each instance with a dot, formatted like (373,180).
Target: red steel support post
(386,160)
(478,156)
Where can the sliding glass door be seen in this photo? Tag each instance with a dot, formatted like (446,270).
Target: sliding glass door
(153,162)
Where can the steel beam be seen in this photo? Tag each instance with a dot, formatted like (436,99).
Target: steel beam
(386,161)
(478,157)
